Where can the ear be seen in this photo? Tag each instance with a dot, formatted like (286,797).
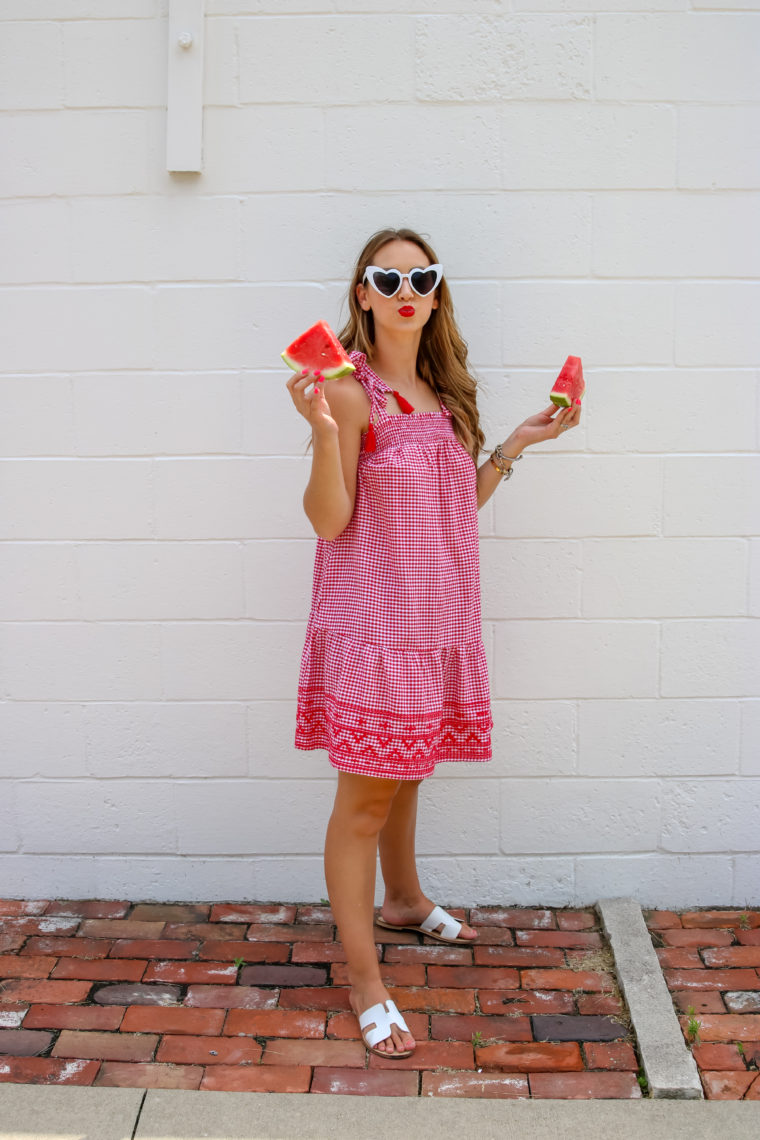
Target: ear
(361,296)
(435,301)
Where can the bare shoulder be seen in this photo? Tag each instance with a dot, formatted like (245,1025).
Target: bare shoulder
(348,401)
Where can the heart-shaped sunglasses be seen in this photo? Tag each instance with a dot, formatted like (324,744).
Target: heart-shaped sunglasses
(388,281)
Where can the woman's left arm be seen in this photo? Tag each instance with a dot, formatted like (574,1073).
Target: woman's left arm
(548,424)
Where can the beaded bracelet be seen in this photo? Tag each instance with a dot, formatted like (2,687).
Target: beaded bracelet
(497,458)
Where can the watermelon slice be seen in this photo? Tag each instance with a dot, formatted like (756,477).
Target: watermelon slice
(569,385)
(319,350)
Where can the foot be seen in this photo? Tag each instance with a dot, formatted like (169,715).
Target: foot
(404,913)
(362,998)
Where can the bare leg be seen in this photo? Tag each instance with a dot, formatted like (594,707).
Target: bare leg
(404,899)
(361,808)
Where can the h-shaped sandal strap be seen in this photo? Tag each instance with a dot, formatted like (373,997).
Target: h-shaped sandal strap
(383,1019)
(440,917)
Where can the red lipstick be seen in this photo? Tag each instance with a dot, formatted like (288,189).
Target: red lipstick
(406,311)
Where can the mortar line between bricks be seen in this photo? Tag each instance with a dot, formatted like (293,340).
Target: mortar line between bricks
(139,1114)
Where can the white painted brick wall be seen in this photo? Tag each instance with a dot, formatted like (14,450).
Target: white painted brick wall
(588,170)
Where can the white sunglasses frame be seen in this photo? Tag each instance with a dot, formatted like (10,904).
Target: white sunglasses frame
(370,270)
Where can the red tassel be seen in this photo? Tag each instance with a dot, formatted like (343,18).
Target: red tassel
(402,403)
(369,440)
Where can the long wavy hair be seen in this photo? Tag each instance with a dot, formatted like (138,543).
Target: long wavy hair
(442,354)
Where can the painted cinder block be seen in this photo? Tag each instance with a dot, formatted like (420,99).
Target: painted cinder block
(64,499)
(566,816)
(229,497)
(278,579)
(225,661)
(91,48)
(519,578)
(9,836)
(458,817)
(155,238)
(750,738)
(664,577)
(710,815)
(26,87)
(160,581)
(48,735)
(650,234)
(656,880)
(427,147)
(629,322)
(233,817)
(577,496)
(35,241)
(540,659)
(710,658)
(718,147)
(323,44)
(658,737)
(270,732)
(156,413)
(754,577)
(38,581)
(117,817)
(221,61)
(269,421)
(164,739)
(86,327)
(81,661)
(79,152)
(711,495)
(618,416)
(488,880)
(677,56)
(251,149)
(716,323)
(575,146)
(480,58)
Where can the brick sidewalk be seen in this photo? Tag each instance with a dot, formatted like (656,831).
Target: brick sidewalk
(254,997)
(711,963)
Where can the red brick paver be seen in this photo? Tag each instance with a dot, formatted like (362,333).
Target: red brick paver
(716,993)
(254,997)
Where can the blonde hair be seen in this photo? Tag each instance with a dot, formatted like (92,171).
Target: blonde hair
(442,354)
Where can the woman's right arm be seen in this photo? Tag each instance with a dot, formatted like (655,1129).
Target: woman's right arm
(336,436)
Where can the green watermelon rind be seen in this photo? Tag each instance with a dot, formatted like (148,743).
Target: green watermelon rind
(329,373)
(560,399)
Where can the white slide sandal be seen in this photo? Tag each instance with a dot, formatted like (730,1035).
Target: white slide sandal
(437,917)
(381,1017)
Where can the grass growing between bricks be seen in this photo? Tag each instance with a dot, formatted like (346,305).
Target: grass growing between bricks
(710,959)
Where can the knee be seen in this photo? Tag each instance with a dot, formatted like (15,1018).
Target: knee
(366,814)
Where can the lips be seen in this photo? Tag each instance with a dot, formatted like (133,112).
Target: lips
(406,311)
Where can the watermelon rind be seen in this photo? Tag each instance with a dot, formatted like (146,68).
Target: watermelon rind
(560,399)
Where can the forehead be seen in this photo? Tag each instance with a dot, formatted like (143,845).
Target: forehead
(402,255)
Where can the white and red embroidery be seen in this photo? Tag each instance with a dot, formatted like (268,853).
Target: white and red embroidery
(393,676)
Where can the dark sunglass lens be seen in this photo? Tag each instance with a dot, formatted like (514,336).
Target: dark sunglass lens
(423,280)
(386,283)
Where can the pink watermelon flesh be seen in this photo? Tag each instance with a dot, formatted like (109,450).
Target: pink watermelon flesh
(318,349)
(569,385)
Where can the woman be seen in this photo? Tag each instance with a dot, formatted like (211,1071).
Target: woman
(393,676)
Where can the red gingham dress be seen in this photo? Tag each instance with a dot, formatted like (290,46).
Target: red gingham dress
(393,676)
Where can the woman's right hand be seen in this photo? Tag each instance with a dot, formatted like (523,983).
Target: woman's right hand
(313,405)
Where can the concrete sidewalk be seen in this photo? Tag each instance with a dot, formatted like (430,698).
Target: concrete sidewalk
(59,1113)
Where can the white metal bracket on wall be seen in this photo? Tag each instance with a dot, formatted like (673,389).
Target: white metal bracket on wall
(184,103)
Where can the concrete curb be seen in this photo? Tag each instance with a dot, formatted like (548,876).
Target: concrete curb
(36,1112)
(668,1064)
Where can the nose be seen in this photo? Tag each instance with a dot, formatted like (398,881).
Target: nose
(405,289)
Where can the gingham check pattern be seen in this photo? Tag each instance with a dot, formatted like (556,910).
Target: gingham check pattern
(393,675)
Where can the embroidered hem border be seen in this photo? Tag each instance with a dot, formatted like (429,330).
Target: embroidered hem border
(389,747)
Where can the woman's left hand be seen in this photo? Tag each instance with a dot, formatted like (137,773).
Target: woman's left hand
(551,423)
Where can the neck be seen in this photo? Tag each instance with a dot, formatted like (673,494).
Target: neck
(395,357)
